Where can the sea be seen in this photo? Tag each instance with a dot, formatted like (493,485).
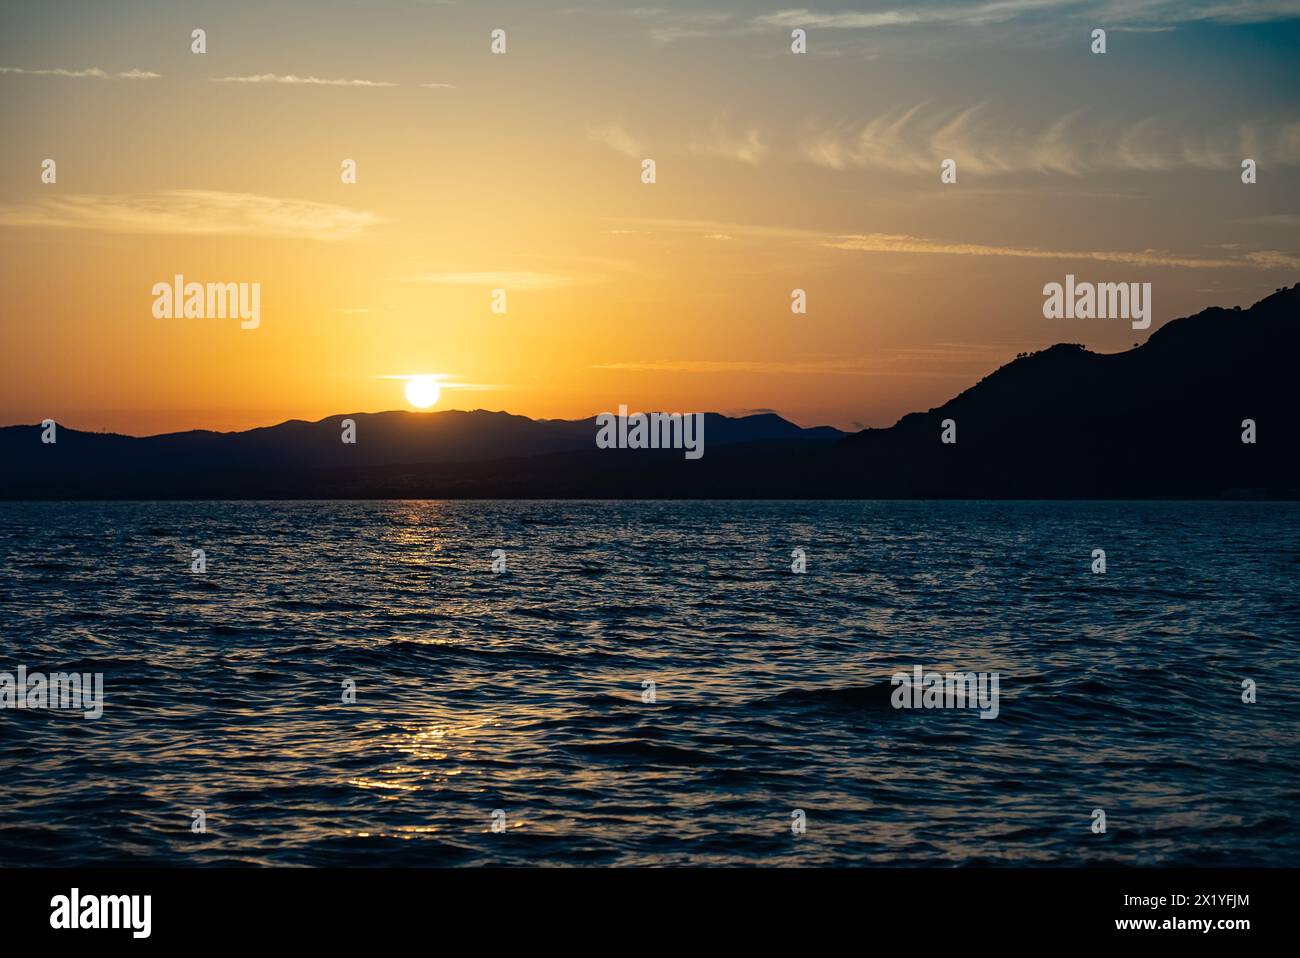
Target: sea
(652,683)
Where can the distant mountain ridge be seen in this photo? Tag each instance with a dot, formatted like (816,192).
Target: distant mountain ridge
(396,438)
(1161,420)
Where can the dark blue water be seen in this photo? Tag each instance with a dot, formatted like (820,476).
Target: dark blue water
(523,691)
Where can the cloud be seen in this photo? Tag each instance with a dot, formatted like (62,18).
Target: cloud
(617,139)
(900,243)
(748,148)
(469,387)
(917,245)
(446,381)
(712,228)
(813,367)
(297,80)
(667,25)
(498,279)
(1039,21)
(1273,219)
(739,366)
(1272,259)
(438,86)
(916,139)
(1161,13)
(94,73)
(1154,14)
(192,213)
(848,19)
(960,351)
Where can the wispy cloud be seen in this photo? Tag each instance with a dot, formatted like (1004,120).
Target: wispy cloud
(1273,219)
(1039,20)
(884,365)
(469,387)
(446,381)
(853,19)
(93,73)
(714,228)
(914,140)
(617,139)
(1158,14)
(747,148)
(504,279)
(840,367)
(1272,259)
(438,86)
(900,243)
(192,213)
(667,25)
(298,81)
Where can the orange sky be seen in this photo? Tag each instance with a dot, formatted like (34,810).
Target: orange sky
(522,172)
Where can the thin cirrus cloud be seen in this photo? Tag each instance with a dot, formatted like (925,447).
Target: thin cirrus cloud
(747,148)
(886,366)
(294,80)
(616,138)
(668,25)
(901,243)
(861,20)
(92,73)
(446,381)
(738,366)
(1035,21)
(192,213)
(1155,13)
(915,139)
(1273,219)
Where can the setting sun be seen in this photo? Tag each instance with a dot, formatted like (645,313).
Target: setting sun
(422,391)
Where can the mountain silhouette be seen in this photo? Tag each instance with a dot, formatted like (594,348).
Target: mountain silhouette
(1161,420)
(278,459)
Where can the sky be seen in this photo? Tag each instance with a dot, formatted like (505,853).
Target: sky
(523,171)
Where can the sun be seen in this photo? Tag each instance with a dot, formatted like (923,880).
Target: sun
(421,391)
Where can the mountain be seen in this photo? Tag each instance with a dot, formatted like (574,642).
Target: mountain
(1161,420)
(289,458)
